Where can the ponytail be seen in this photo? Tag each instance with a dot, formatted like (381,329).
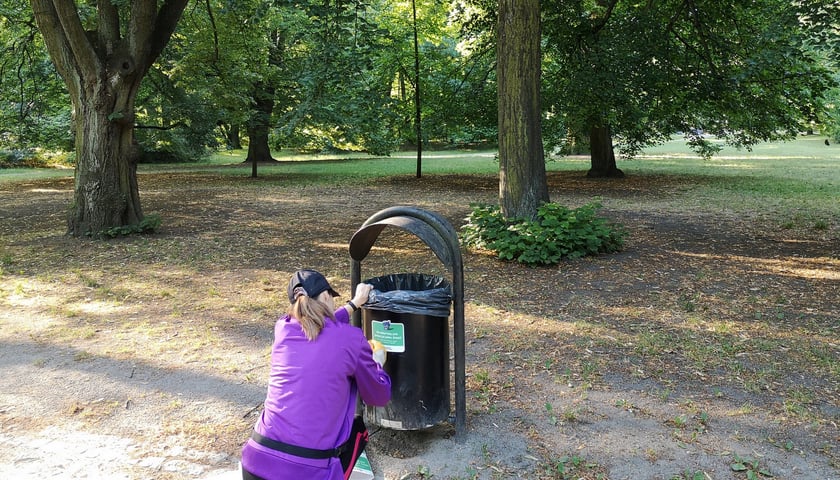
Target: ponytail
(311,313)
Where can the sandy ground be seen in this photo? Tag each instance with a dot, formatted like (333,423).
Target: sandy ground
(620,431)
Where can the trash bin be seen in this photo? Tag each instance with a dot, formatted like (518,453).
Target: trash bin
(409,314)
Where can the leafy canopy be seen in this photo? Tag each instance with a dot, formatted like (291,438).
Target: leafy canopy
(746,72)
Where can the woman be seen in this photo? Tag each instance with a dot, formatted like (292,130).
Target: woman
(319,365)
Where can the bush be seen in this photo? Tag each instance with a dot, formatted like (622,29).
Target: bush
(557,233)
(17,158)
(35,158)
(149,224)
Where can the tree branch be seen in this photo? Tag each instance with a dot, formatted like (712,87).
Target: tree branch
(216,55)
(76,38)
(158,127)
(108,32)
(56,42)
(167,20)
(606,18)
(140,34)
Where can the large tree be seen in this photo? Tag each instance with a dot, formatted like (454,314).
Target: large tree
(522,179)
(103,50)
(642,71)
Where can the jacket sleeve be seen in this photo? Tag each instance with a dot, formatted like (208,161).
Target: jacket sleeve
(341,315)
(373,382)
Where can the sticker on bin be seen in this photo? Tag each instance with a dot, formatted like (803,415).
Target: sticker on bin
(362,469)
(392,335)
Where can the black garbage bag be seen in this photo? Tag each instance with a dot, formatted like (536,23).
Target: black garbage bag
(411,293)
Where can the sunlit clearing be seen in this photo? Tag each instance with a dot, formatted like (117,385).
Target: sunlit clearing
(334,246)
(817,267)
(95,307)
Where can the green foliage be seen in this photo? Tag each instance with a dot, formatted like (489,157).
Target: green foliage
(690,475)
(702,146)
(149,224)
(557,233)
(830,117)
(31,158)
(746,73)
(34,106)
(751,468)
(173,124)
(572,467)
(341,76)
(16,158)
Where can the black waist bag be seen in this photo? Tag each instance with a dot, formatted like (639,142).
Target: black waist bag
(347,453)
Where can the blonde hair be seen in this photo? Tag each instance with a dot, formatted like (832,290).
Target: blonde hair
(311,312)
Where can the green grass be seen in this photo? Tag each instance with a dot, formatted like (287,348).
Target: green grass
(806,158)
(798,181)
(797,176)
(335,166)
(812,146)
(9,175)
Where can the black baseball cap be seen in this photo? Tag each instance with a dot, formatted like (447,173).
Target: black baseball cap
(312,282)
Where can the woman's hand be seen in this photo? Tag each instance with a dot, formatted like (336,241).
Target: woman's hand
(380,355)
(362,293)
(360,298)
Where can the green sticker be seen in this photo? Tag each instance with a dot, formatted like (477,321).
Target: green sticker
(362,463)
(392,335)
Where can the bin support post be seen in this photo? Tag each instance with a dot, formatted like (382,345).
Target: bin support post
(355,279)
(443,240)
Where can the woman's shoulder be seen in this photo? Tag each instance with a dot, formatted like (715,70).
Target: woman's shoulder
(345,330)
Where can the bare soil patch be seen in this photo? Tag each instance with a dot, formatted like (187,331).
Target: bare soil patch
(712,338)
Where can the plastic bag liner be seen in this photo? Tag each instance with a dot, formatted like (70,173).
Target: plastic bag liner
(412,293)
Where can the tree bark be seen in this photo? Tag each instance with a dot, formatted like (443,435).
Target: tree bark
(106,190)
(522,179)
(103,70)
(259,125)
(602,154)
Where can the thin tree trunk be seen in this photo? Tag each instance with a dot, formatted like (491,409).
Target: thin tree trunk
(260,122)
(417,109)
(602,156)
(522,178)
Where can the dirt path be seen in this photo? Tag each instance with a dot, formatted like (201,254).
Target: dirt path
(710,342)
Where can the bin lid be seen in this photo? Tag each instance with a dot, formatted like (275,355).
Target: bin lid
(364,238)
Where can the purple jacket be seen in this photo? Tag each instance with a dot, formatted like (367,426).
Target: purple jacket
(312,395)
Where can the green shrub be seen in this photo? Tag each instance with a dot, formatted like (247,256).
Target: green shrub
(149,224)
(35,158)
(557,233)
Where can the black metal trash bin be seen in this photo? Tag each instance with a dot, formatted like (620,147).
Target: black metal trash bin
(409,314)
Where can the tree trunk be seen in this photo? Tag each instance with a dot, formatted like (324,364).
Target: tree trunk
(259,125)
(522,179)
(602,156)
(106,192)
(102,69)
